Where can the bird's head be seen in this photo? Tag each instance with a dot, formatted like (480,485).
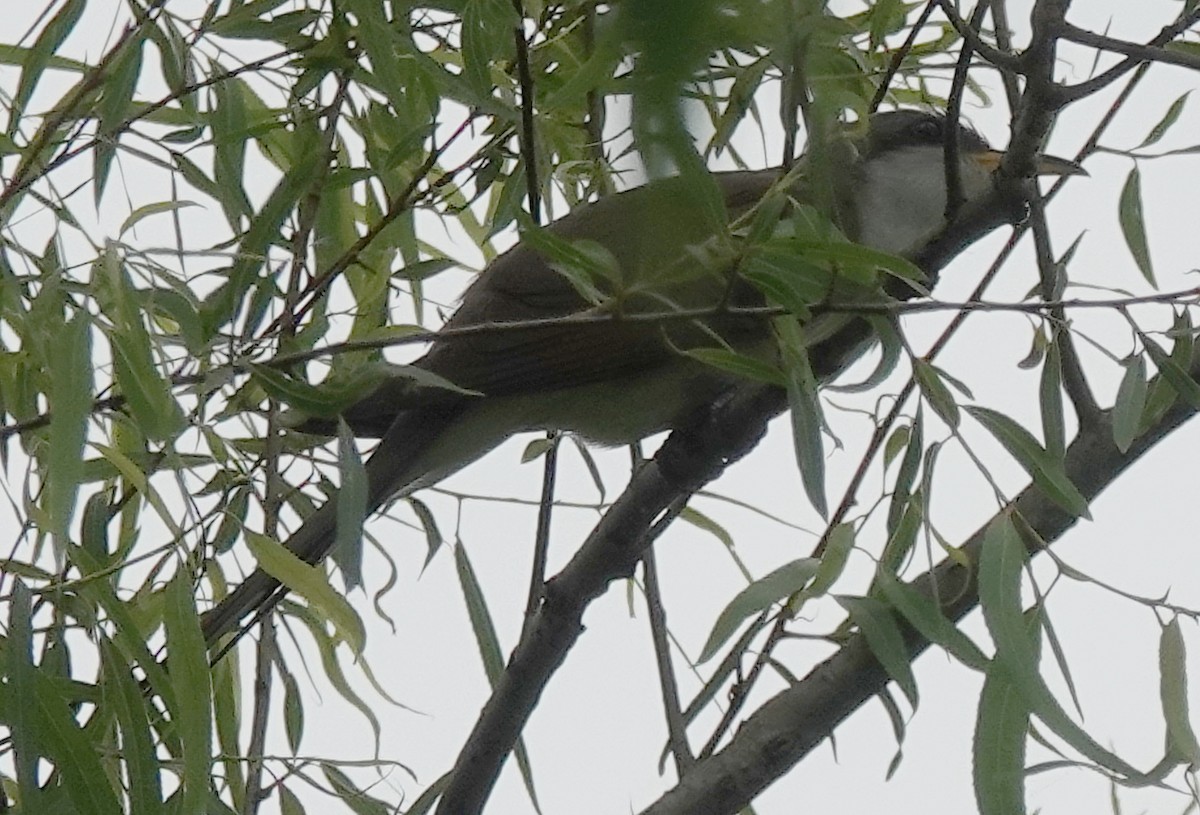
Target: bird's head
(898,181)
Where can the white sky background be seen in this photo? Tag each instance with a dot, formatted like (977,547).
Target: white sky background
(595,739)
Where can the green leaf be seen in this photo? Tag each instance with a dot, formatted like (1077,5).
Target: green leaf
(998,750)
(190,675)
(742,365)
(1133,224)
(489,647)
(858,262)
(1173,690)
(485,23)
(156,208)
(1051,402)
(146,391)
(35,60)
(289,804)
(878,624)
(24,723)
(925,616)
(1172,371)
(115,106)
(433,535)
(481,617)
(331,663)
(1131,401)
(759,596)
(356,799)
(70,403)
(293,711)
(935,392)
(896,441)
(230,128)
(142,768)
(1164,124)
(1047,470)
(833,561)
(807,417)
(586,265)
(311,584)
(1001,565)
(351,508)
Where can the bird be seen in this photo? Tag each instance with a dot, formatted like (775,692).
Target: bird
(617,381)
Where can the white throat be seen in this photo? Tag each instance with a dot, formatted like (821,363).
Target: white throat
(901,196)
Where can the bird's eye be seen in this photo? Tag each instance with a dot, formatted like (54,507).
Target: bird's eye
(928,129)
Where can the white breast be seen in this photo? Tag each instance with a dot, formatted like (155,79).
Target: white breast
(901,198)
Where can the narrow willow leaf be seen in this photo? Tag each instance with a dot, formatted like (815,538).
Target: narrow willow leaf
(230,128)
(331,663)
(72,751)
(137,740)
(70,403)
(807,418)
(895,443)
(293,711)
(537,448)
(190,675)
(289,804)
(909,465)
(433,535)
(481,618)
(484,24)
(1173,690)
(746,82)
(586,265)
(699,520)
(147,393)
(1051,402)
(295,393)
(1000,568)
(890,347)
(936,392)
(1164,124)
(1131,401)
(21,680)
(144,212)
(489,647)
(355,799)
(34,61)
(742,365)
(115,106)
(311,584)
(833,561)
(227,718)
(351,508)
(998,749)
(1046,469)
(755,598)
(425,803)
(925,616)
(1174,373)
(1133,224)
(878,624)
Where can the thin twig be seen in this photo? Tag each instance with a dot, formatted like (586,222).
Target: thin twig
(1071,93)
(900,55)
(676,727)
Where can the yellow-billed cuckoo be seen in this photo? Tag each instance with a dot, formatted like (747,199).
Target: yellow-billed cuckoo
(618,381)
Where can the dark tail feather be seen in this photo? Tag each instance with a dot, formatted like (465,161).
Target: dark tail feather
(389,470)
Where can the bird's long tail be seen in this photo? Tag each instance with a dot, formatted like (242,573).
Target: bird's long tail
(399,462)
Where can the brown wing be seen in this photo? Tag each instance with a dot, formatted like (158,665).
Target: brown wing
(644,229)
